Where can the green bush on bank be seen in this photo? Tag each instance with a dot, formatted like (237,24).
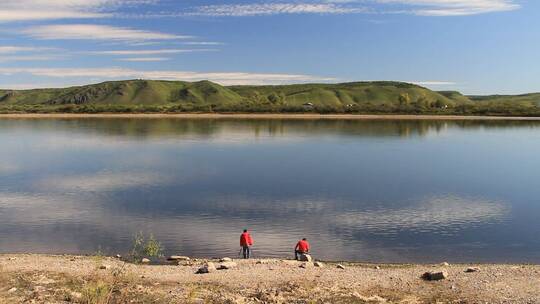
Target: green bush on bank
(145,247)
(477,108)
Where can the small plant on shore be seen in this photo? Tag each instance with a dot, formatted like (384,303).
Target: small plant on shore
(143,247)
(96,293)
(98,256)
(153,247)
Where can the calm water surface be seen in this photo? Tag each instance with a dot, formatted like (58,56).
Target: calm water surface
(385,191)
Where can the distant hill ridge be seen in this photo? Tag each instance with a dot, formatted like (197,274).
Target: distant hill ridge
(158,95)
(161,92)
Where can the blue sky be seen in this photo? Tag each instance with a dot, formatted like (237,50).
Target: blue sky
(474,46)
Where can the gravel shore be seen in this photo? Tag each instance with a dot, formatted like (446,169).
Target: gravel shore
(95,279)
(266,116)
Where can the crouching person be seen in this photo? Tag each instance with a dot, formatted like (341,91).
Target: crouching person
(302,247)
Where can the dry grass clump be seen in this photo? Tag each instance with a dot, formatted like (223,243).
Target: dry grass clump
(101,287)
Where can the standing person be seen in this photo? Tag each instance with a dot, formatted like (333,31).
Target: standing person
(245,242)
(302,247)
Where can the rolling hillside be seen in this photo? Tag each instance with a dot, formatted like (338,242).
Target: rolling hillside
(205,92)
(343,94)
(533,98)
(131,92)
(206,96)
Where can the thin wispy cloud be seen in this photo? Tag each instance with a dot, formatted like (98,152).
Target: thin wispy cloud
(26,53)
(28,58)
(261,9)
(145,59)
(203,43)
(433,83)
(6,167)
(21,49)
(39,85)
(28,10)
(31,10)
(455,7)
(150,52)
(95,32)
(418,7)
(7,15)
(230,78)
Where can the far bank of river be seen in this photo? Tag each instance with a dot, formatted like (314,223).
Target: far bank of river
(272,116)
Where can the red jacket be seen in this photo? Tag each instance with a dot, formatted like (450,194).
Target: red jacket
(245,239)
(302,246)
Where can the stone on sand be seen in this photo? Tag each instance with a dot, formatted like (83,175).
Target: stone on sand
(472,269)
(207,268)
(435,276)
(178,258)
(227,265)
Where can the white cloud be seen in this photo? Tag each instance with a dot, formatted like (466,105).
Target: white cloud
(432,83)
(420,7)
(230,78)
(21,15)
(28,58)
(203,43)
(6,167)
(150,52)
(38,85)
(21,10)
(145,59)
(21,53)
(95,32)
(456,7)
(49,4)
(21,49)
(255,9)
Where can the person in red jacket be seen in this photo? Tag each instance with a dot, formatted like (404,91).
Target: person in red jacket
(246,242)
(302,247)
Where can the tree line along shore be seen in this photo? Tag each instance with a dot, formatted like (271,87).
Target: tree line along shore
(152,96)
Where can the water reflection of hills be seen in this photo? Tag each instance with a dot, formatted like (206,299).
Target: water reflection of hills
(207,128)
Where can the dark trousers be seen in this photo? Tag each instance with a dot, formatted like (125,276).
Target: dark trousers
(297,253)
(246,252)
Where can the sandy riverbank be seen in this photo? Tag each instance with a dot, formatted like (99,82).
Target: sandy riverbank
(64,279)
(268,116)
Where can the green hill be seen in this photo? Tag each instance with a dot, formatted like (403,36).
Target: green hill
(532,99)
(206,96)
(130,92)
(344,94)
(455,96)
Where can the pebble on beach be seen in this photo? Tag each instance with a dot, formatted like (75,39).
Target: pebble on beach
(435,276)
(207,268)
